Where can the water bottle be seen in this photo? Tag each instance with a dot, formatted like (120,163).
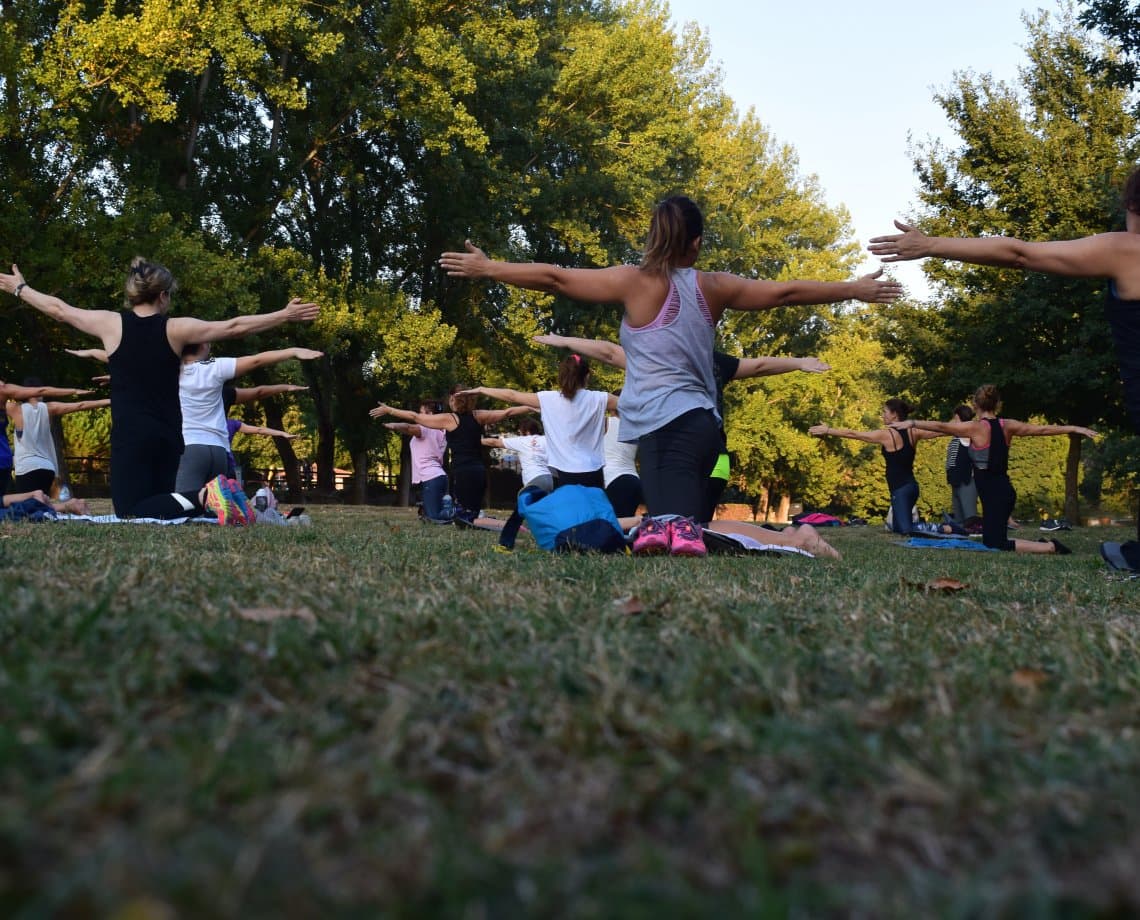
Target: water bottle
(64,493)
(448,508)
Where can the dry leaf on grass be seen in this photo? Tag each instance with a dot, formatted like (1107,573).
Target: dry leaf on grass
(629,604)
(269,614)
(943,585)
(1028,678)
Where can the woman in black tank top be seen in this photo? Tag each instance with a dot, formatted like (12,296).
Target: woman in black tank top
(464,428)
(898,453)
(989,450)
(143,347)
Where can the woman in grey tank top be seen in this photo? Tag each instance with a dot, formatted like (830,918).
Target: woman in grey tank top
(671,311)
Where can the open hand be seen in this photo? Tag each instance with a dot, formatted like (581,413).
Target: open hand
(299,311)
(814,366)
(380,410)
(9,283)
(870,289)
(900,247)
(469,264)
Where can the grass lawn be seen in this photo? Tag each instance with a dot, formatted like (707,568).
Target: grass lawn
(373,714)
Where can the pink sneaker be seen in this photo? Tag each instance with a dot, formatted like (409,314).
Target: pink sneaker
(652,537)
(686,539)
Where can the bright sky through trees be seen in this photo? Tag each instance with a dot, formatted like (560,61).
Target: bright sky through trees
(846,83)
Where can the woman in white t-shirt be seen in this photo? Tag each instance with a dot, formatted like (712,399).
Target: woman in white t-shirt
(204,430)
(574,419)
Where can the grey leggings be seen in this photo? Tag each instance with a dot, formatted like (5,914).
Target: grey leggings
(200,463)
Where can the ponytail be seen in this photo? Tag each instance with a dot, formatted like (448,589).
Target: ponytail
(676,222)
(572,374)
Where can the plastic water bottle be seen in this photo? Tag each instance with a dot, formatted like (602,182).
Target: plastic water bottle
(448,508)
(64,493)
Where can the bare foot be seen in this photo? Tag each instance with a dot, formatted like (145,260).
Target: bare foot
(814,543)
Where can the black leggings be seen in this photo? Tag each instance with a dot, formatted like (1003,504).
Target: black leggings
(676,461)
(998,498)
(34,479)
(468,484)
(595,478)
(625,495)
(167,507)
(142,468)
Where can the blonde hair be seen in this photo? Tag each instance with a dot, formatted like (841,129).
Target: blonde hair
(676,222)
(146,281)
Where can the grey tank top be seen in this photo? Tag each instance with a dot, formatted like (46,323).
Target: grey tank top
(35,449)
(669,362)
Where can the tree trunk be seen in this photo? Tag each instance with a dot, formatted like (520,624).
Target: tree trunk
(1072,471)
(785,505)
(404,483)
(61,477)
(760,512)
(360,477)
(274,419)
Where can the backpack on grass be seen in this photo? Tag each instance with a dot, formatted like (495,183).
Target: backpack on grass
(572,519)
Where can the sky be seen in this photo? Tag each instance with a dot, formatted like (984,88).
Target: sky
(847,83)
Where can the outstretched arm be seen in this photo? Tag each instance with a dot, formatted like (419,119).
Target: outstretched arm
(185,330)
(97,354)
(269,432)
(724,290)
(66,408)
(264,359)
(1100,256)
(596,285)
(102,324)
(251,394)
(495,416)
(1024,429)
(600,350)
(925,428)
(13,391)
(878,436)
(504,394)
(444,421)
(493,442)
(769,367)
(412,431)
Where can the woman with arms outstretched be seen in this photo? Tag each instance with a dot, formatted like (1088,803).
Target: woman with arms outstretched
(898,454)
(574,419)
(463,426)
(144,348)
(668,404)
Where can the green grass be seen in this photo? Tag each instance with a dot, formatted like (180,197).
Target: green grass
(462,733)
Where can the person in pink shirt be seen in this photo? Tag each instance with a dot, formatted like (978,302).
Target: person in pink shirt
(427,446)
